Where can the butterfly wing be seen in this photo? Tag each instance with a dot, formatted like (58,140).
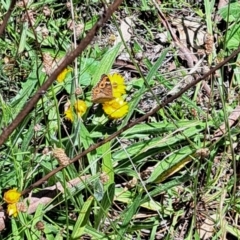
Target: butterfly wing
(102,92)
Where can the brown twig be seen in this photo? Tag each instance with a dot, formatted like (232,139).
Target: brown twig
(7,16)
(68,59)
(129,125)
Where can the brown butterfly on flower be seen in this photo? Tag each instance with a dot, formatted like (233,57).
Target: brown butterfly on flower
(109,91)
(103,91)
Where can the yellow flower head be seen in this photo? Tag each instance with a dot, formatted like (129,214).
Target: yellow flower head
(12,210)
(80,108)
(61,77)
(11,196)
(116,108)
(118,85)
(69,114)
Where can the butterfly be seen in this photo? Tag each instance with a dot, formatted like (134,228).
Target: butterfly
(102,92)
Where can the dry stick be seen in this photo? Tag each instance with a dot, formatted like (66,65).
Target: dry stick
(7,16)
(68,59)
(129,125)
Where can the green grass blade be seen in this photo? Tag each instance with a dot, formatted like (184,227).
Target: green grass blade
(105,204)
(146,148)
(107,165)
(172,163)
(87,142)
(82,220)
(128,216)
(106,63)
(22,43)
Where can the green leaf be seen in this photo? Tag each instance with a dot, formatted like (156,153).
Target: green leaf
(106,63)
(233,230)
(95,233)
(157,190)
(233,37)
(37,217)
(98,190)
(107,165)
(172,163)
(22,43)
(105,204)
(128,216)
(23,218)
(26,91)
(15,231)
(230,12)
(82,220)
(146,148)
(82,136)
(144,129)
(6,113)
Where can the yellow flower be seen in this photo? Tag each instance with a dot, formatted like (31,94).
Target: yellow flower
(12,209)
(11,196)
(80,108)
(61,77)
(117,108)
(69,114)
(118,85)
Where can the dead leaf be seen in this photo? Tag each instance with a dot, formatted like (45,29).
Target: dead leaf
(2,221)
(46,195)
(234,116)
(126,31)
(206,230)
(190,31)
